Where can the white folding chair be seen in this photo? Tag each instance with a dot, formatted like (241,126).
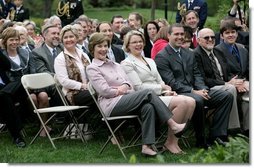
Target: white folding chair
(123,119)
(43,80)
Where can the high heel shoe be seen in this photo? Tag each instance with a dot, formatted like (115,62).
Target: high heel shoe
(179,134)
(164,149)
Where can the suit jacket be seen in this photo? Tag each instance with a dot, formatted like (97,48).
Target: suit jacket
(118,53)
(182,74)
(22,14)
(75,10)
(200,6)
(5,9)
(16,71)
(5,65)
(241,69)
(205,66)
(43,58)
(141,76)
(148,48)
(104,77)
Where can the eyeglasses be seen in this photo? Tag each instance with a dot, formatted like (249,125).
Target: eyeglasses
(136,42)
(208,37)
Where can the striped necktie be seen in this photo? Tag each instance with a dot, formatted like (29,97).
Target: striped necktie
(214,67)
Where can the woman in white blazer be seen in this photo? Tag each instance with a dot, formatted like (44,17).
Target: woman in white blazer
(143,74)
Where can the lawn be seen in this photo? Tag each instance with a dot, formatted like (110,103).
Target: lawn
(75,152)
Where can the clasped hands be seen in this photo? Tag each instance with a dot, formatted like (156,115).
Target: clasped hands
(123,89)
(167,90)
(203,93)
(241,84)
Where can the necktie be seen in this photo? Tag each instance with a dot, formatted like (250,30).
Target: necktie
(179,54)
(194,41)
(214,66)
(235,54)
(28,49)
(84,50)
(54,53)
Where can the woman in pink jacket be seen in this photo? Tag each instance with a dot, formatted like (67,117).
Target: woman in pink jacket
(117,97)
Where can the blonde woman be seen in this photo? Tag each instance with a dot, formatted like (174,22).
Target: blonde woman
(143,74)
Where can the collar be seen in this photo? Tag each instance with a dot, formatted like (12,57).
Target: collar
(207,51)
(50,48)
(100,62)
(229,46)
(176,50)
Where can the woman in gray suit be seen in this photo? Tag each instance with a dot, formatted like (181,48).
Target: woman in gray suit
(117,97)
(143,74)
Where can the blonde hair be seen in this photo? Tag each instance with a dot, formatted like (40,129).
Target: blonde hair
(128,37)
(70,28)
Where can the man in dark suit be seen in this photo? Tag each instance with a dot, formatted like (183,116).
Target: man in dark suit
(237,57)
(21,12)
(213,67)
(44,55)
(200,6)
(9,114)
(7,9)
(178,68)
(114,53)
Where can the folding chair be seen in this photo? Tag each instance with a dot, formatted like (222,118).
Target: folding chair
(81,115)
(110,121)
(43,80)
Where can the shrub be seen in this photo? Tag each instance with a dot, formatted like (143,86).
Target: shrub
(236,151)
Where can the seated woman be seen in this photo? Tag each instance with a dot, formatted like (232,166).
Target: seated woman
(150,30)
(117,96)
(70,68)
(143,74)
(21,63)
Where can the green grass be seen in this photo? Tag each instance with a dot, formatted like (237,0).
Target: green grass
(74,151)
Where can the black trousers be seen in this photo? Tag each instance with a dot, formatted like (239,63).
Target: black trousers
(9,115)
(148,106)
(222,102)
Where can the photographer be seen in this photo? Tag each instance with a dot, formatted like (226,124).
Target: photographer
(237,12)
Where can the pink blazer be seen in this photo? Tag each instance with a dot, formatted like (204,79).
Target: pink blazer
(105,77)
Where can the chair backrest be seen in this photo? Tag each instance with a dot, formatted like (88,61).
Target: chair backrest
(37,80)
(94,96)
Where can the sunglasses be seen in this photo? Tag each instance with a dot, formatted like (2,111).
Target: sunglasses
(208,37)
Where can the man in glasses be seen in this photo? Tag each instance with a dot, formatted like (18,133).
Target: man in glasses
(213,67)
(237,57)
(178,69)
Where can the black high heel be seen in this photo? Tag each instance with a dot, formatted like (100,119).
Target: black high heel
(179,134)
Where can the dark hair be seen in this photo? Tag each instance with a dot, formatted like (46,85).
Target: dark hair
(188,33)
(124,31)
(137,16)
(174,25)
(228,24)
(98,27)
(115,16)
(146,35)
(97,38)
